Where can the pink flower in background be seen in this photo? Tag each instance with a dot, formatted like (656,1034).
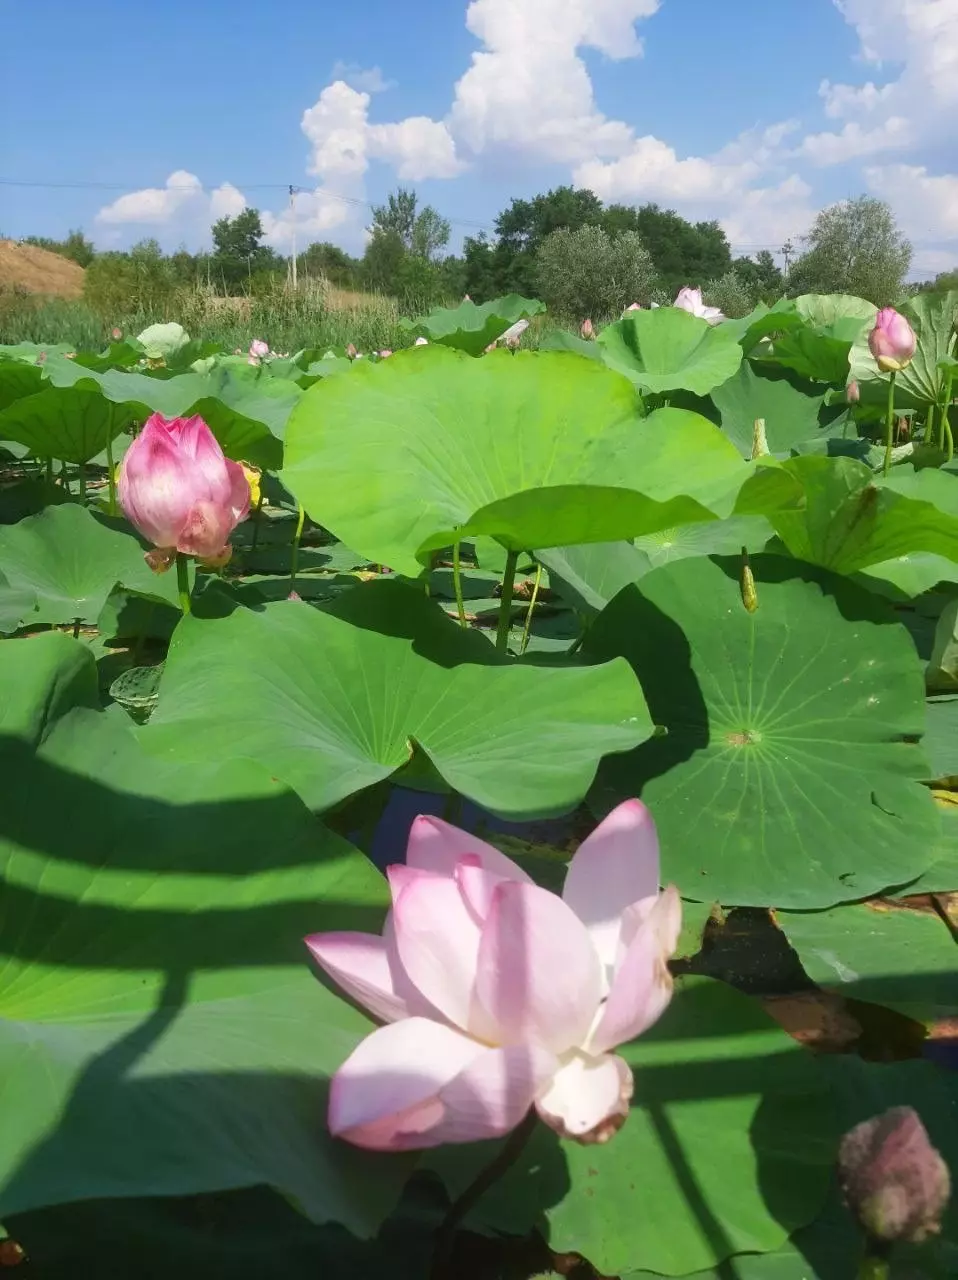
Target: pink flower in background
(892,341)
(384,354)
(587,329)
(116,334)
(691,300)
(259,348)
(421,342)
(498,995)
(512,335)
(351,351)
(852,393)
(294,595)
(634,306)
(178,489)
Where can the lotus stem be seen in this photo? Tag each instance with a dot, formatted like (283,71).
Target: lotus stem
(505,602)
(82,482)
(294,557)
(930,425)
(508,1153)
(110,476)
(947,443)
(183,582)
(889,423)
(457,585)
(531,610)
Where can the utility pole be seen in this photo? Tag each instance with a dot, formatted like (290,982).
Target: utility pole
(292,222)
(787,250)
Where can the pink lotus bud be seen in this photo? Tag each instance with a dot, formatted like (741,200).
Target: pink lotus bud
(466,298)
(116,334)
(476,1030)
(691,300)
(294,595)
(351,351)
(179,491)
(892,341)
(259,348)
(852,393)
(893,1180)
(634,306)
(384,354)
(421,342)
(586,329)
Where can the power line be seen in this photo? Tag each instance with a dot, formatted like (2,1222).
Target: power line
(132,189)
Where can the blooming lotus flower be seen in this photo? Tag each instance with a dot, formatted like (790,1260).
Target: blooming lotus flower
(259,348)
(497,995)
(179,491)
(892,341)
(691,300)
(587,329)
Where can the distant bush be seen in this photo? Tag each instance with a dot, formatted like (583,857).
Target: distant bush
(76,247)
(730,294)
(588,272)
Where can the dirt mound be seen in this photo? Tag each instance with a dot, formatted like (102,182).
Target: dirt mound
(24,266)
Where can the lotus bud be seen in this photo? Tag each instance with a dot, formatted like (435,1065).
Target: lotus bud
(893,1180)
(351,351)
(587,329)
(466,298)
(634,306)
(116,334)
(892,342)
(294,595)
(421,342)
(179,491)
(259,348)
(383,355)
(512,335)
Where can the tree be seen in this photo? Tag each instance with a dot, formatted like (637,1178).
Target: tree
(523,227)
(76,247)
(384,254)
(239,251)
(397,215)
(430,233)
(761,277)
(854,247)
(587,272)
(684,253)
(328,262)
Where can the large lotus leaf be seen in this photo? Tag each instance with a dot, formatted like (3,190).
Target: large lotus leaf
(162,340)
(246,410)
(933,317)
(535,449)
(830,1248)
(764,322)
(64,422)
(820,348)
(160,1032)
(910,575)
(17,378)
(670,350)
(852,518)
(589,576)
(334,700)
(729,1139)
(472,328)
(790,413)
(71,560)
(893,956)
(564,340)
(941,675)
(17,604)
(786,726)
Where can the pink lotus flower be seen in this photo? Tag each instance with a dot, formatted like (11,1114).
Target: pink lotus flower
(691,300)
(498,995)
(259,348)
(384,354)
(179,491)
(892,341)
(634,306)
(587,329)
(116,334)
(852,392)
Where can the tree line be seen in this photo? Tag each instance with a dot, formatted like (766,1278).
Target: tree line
(581,257)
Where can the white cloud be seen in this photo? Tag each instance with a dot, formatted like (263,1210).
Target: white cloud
(920,37)
(926,204)
(416,147)
(366,79)
(154,205)
(529,91)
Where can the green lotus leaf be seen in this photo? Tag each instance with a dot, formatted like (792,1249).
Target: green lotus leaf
(472,328)
(670,350)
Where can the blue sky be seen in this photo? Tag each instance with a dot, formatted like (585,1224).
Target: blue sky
(756,112)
